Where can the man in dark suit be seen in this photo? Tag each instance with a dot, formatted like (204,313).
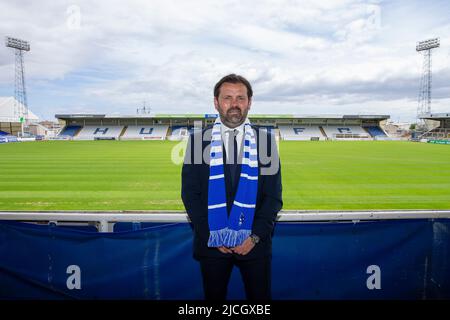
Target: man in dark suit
(232,99)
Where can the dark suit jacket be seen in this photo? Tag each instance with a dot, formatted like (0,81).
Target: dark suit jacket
(194,193)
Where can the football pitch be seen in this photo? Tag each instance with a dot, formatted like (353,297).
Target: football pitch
(140,175)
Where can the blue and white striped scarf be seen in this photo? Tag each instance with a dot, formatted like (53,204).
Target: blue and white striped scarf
(233,230)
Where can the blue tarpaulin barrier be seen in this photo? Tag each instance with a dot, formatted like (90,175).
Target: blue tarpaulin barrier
(391,259)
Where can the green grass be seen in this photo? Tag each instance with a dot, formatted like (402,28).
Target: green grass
(139,175)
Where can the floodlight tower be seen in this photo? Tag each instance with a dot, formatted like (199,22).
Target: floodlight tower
(20,93)
(425,47)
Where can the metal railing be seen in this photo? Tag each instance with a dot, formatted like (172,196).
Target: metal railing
(104,221)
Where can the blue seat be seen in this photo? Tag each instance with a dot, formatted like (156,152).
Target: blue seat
(69,131)
(375,131)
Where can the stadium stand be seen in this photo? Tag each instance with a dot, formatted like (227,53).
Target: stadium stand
(346,132)
(178,127)
(375,131)
(153,132)
(437,133)
(99,133)
(70,131)
(180,132)
(299,132)
(439,126)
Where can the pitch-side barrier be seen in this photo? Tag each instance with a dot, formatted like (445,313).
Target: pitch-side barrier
(401,254)
(104,221)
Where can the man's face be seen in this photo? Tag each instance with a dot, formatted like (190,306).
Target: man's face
(233,104)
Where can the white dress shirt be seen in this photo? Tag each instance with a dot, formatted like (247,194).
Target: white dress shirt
(226,135)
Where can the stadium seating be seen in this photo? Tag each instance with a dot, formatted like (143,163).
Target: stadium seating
(145,132)
(8,138)
(347,132)
(375,131)
(180,132)
(104,132)
(300,132)
(437,133)
(69,131)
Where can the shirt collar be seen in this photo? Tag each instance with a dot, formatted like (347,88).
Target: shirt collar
(240,128)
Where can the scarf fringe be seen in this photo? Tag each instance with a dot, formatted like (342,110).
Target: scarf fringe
(227,237)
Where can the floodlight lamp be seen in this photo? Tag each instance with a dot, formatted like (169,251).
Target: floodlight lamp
(428,44)
(17,44)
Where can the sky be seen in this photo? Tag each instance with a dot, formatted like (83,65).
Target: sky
(302,56)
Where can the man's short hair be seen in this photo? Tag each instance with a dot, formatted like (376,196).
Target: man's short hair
(233,78)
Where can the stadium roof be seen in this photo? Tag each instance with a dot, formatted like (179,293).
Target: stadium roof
(435,116)
(203,116)
(8,112)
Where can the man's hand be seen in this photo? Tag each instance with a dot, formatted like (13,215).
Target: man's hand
(245,247)
(224,250)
